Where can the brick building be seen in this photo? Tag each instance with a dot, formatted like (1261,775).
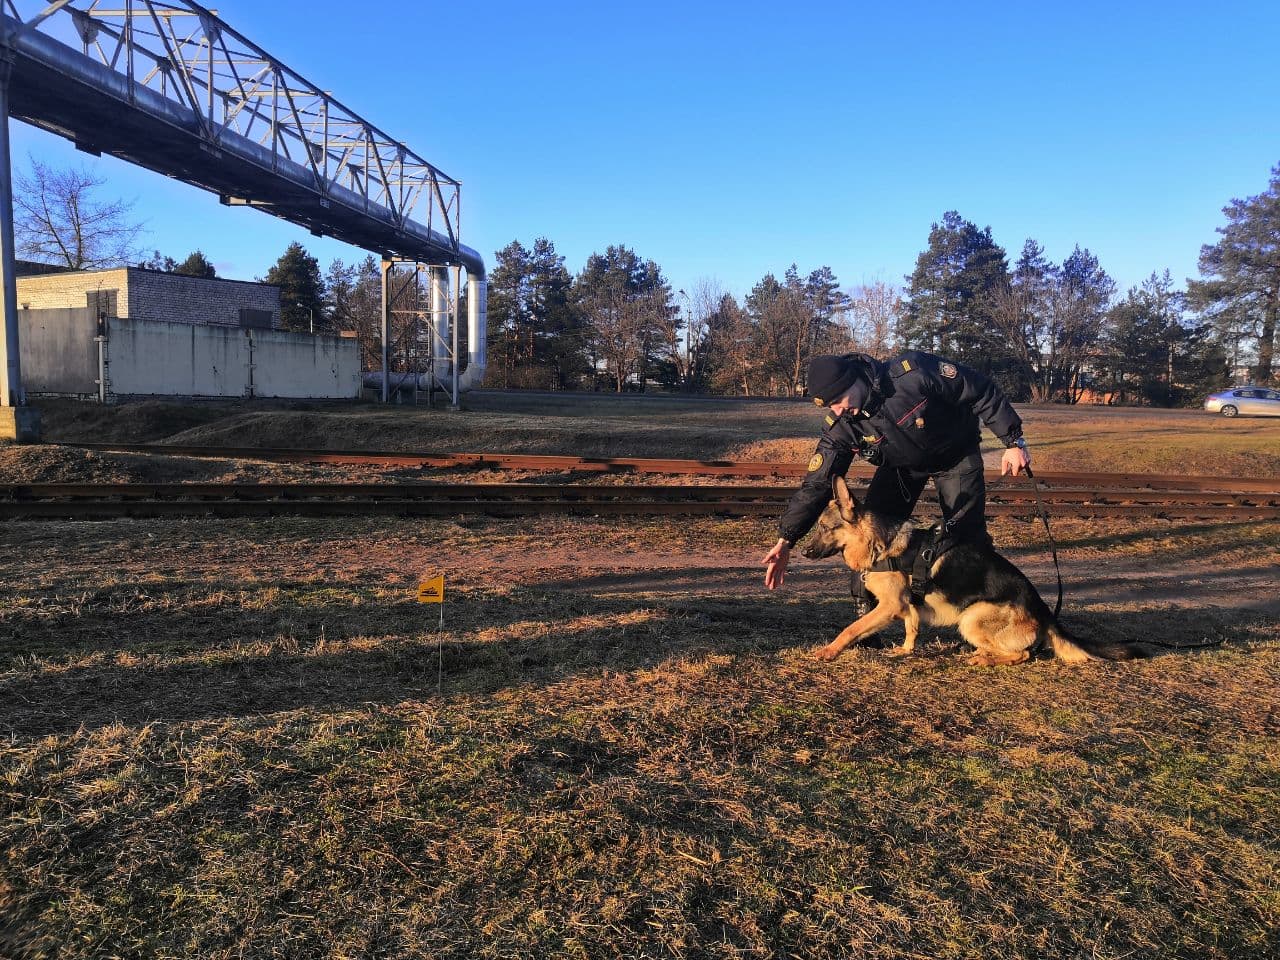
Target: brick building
(141,294)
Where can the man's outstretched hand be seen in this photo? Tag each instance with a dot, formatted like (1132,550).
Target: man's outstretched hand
(775,564)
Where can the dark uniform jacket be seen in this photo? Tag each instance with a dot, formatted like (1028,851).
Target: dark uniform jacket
(928,422)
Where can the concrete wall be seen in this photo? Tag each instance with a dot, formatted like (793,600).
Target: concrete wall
(152,295)
(156,358)
(177,359)
(58,351)
(291,364)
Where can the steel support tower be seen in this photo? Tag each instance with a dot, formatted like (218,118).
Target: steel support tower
(171,87)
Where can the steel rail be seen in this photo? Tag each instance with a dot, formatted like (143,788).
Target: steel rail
(730,468)
(92,501)
(105,509)
(577,492)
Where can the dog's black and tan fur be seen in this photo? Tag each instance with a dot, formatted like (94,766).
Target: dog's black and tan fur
(988,599)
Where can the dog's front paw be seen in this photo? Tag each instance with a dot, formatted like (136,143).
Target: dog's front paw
(828,653)
(903,651)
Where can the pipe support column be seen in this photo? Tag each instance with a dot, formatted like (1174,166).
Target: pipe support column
(17,420)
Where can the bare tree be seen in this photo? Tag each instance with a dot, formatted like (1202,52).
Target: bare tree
(56,219)
(870,320)
(621,325)
(706,298)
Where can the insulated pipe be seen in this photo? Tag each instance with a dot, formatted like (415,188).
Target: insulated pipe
(477,331)
(396,380)
(439,322)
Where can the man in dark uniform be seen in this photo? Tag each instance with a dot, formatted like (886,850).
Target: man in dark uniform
(915,417)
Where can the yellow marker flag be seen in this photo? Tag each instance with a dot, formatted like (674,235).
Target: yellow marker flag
(432,590)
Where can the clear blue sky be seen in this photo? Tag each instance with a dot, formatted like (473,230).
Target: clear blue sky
(729,139)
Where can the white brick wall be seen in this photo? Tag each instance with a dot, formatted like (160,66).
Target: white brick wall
(153,295)
(61,290)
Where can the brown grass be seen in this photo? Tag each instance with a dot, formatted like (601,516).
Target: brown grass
(1062,438)
(234,739)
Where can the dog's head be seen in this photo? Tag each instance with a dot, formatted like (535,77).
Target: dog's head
(838,527)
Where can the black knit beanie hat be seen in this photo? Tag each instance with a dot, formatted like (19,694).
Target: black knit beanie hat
(831,377)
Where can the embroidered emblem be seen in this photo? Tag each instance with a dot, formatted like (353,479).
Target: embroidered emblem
(948,370)
(815,462)
(817,401)
(906,366)
(831,421)
(919,423)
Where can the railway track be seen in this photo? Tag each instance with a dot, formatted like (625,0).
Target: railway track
(95,501)
(669,467)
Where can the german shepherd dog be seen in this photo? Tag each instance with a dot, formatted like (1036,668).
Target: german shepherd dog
(988,599)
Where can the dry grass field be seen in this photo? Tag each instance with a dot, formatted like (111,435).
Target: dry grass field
(243,738)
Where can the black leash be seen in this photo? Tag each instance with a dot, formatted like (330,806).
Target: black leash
(1057,607)
(1053,547)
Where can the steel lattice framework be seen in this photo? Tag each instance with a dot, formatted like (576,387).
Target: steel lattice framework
(167,85)
(189,96)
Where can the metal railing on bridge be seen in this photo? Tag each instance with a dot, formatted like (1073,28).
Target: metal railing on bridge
(171,87)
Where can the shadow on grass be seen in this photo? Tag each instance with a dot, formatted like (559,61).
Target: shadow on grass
(1196,531)
(174,666)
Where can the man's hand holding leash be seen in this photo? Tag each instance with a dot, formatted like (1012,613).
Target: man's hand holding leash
(1016,459)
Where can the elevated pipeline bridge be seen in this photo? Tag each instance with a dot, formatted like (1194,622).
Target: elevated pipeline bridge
(169,86)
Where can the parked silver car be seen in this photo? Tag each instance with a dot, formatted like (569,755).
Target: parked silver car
(1245,401)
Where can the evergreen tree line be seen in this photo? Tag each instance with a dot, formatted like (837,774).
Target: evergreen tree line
(1045,331)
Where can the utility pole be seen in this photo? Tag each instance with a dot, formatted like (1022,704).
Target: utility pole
(17,420)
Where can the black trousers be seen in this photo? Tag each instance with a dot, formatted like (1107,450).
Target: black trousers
(962,494)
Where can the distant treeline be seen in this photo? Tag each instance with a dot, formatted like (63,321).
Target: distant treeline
(1045,331)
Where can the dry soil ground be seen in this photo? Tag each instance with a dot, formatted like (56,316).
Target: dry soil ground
(243,738)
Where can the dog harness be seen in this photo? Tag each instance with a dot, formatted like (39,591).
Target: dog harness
(925,546)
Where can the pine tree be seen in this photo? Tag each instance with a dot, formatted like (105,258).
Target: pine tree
(535,329)
(1078,304)
(1154,353)
(625,301)
(559,324)
(1241,272)
(951,295)
(1022,312)
(297,274)
(196,265)
(733,348)
(509,315)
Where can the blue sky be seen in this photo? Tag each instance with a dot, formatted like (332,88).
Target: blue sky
(727,140)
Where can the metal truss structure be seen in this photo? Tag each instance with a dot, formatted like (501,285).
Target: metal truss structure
(170,86)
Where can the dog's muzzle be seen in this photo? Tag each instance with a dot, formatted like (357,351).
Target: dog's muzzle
(819,550)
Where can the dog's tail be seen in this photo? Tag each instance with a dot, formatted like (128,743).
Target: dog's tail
(1072,649)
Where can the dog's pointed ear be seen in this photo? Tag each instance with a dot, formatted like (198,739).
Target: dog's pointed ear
(844,500)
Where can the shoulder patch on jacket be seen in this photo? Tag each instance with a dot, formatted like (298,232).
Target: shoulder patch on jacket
(906,366)
(815,462)
(831,421)
(948,370)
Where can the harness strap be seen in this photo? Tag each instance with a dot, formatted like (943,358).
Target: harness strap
(925,545)
(926,553)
